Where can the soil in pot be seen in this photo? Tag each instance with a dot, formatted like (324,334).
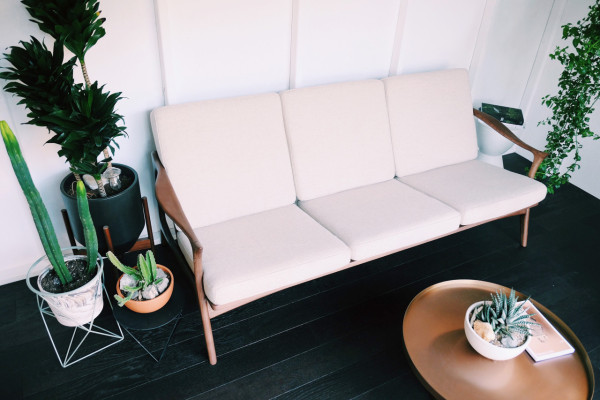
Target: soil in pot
(79,271)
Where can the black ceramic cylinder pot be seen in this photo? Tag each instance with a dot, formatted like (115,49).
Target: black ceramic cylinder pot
(122,212)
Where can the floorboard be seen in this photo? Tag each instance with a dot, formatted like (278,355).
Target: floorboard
(338,337)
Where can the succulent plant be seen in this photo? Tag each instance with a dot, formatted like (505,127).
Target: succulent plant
(40,214)
(506,315)
(145,275)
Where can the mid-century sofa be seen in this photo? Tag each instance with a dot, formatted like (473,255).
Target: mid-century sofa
(271,190)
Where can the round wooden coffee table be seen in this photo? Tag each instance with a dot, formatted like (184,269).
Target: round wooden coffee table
(449,368)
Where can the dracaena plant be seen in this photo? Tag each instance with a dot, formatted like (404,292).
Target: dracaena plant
(80,116)
(40,215)
(572,105)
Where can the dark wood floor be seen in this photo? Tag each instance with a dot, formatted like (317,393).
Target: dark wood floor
(338,337)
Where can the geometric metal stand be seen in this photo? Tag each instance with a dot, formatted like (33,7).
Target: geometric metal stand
(164,350)
(82,330)
(170,313)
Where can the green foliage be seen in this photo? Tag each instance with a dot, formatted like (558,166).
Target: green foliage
(89,232)
(72,22)
(144,275)
(505,315)
(579,89)
(81,117)
(39,212)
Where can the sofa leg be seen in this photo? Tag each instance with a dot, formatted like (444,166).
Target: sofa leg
(208,335)
(524,227)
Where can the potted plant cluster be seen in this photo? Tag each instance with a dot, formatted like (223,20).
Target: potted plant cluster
(499,329)
(80,117)
(572,105)
(70,284)
(145,288)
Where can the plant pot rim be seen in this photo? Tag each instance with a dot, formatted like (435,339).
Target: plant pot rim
(108,198)
(42,292)
(158,299)
(514,351)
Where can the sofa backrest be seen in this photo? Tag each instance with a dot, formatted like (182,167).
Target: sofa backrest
(226,158)
(338,136)
(431,120)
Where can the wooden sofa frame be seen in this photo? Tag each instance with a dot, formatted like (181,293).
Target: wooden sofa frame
(169,205)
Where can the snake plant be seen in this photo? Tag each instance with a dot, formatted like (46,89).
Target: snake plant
(40,215)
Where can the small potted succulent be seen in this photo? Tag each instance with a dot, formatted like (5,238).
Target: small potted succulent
(145,288)
(499,329)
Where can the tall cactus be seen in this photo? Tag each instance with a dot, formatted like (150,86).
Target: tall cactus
(89,232)
(36,205)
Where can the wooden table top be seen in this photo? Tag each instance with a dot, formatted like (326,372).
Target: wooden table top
(449,368)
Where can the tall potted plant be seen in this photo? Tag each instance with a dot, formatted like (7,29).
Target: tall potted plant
(81,117)
(70,284)
(578,92)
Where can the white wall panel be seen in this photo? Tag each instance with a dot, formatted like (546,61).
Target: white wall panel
(341,40)
(224,48)
(510,51)
(439,34)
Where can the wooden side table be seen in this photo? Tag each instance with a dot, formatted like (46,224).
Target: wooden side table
(171,313)
(449,368)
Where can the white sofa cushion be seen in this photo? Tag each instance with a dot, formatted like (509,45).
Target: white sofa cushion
(479,191)
(382,217)
(431,120)
(251,255)
(226,158)
(338,136)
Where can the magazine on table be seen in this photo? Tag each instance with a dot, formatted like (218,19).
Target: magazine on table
(546,342)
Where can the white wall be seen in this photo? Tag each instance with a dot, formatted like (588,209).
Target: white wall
(187,50)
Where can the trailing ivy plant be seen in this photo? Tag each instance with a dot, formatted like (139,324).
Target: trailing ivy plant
(578,92)
(81,117)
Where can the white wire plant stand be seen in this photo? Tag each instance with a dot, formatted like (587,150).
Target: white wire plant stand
(59,325)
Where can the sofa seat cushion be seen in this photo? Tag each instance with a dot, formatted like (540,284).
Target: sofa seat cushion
(255,254)
(382,217)
(479,191)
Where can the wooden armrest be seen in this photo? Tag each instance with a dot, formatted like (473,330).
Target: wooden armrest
(166,197)
(538,156)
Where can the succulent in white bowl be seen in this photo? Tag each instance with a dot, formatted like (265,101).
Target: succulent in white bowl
(499,329)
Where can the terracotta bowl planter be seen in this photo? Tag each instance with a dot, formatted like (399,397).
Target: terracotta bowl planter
(148,306)
(484,348)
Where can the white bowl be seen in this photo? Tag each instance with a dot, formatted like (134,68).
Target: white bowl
(486,349)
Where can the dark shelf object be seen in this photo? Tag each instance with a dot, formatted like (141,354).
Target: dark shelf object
(122,212)
(507,115)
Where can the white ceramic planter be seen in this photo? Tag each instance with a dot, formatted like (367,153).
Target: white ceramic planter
(491,144)
(74,308)
(486,349)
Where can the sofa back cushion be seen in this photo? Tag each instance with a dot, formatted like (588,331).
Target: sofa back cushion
(338,136)
(225,158)
(431,120)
